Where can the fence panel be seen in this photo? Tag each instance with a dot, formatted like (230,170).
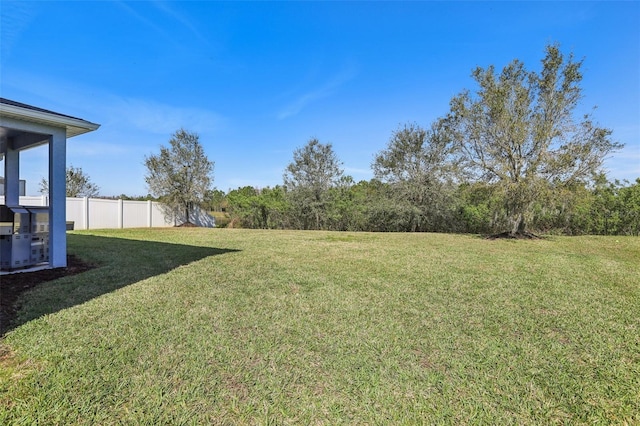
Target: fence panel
(77,213)
(29,201)
(135,214)
(97,213)
(158,218)
(104,214)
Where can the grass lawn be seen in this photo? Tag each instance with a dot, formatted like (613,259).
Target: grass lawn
(225,326)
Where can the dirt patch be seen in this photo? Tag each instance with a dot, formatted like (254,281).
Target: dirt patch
(516,236)
(13,285)
(187,225)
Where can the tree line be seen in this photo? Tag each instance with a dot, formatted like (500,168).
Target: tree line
(606,208)
(512,156)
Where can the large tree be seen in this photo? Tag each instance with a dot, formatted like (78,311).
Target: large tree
(78,184)
(314,170)
(418,164)
(519,130)
(181,174)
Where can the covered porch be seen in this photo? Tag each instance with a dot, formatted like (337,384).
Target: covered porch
(23,127)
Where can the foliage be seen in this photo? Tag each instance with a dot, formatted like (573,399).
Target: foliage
(214,200)
(180,175)
(419,164)
(78,184)
(345,207)
(475,206)
(384,211)
(519,132)
(610,208)
(255,208)
(511,156)
(147,197)
(315,169)
(629,207)
(614,208)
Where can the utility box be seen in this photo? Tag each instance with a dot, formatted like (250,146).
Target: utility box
(39,218)
(19,216)
(15,251)
(24,236)
(39,248)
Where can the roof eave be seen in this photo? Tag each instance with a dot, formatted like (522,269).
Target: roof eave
(73,126)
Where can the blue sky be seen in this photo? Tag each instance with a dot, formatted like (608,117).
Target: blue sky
(258,80)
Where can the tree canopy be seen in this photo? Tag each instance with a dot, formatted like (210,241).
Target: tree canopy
(314,170)
(419,165)
(78,184)
(519,130)
(515,155)
(181,174)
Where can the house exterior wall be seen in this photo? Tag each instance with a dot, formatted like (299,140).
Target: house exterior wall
(24,127)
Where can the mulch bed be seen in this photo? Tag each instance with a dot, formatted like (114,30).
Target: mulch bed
(13,285)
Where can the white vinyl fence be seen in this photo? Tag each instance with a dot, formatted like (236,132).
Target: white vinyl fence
(97,213)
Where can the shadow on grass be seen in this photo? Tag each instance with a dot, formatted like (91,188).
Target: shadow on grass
(118,263)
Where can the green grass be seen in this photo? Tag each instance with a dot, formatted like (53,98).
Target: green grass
(224,326)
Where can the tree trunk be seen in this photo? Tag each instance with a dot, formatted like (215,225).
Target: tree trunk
(519,225)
